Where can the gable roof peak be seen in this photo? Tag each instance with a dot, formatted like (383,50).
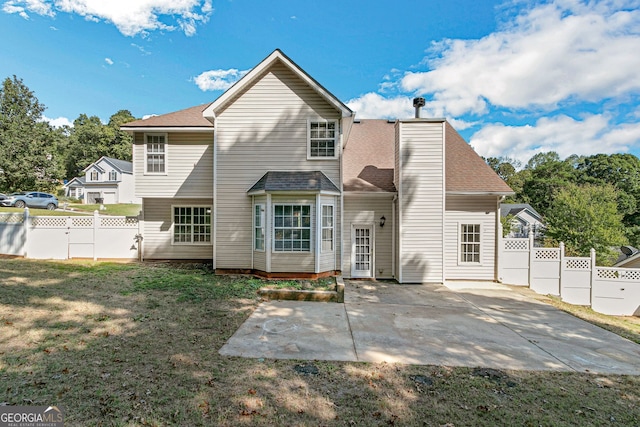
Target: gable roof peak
(276,56)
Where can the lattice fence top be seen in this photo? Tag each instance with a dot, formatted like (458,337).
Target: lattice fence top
(546,254)
(82,221)
(630,275)
(11,218)
(119,221)
(516,244)
(575,263)
(49,221)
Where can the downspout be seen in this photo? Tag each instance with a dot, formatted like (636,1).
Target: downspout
(253,230)
(339,262)
(215,192)
(394,202)
(444,201)
(498,239)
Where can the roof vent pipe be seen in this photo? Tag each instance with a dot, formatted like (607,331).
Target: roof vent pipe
(417,104)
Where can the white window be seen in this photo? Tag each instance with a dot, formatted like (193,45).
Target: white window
(258,228)
(93,176)
(327,228)
(156,152)
(470,243)
(323,136)
(113,175)
(192,225)
(292,228)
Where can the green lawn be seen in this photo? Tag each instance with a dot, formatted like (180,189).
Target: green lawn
(116,210)
(137,344)
(80,209)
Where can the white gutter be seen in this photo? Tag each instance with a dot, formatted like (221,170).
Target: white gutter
(167,129)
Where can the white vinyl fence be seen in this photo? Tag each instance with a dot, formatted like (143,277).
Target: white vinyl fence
(577,280)
(65,237)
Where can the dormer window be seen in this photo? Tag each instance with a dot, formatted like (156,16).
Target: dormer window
(113,176)
(322,139)
(93,176)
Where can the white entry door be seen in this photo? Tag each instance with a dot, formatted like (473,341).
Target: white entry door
(362,251)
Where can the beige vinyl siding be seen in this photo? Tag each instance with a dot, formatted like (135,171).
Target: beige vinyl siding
(263,129)
(470,210)
(365,210)
(328,259)
(157,231)
(421,201)
(189,162)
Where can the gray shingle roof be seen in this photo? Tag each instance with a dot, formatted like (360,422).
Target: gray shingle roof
(124,165)
(294,181)
(514,208)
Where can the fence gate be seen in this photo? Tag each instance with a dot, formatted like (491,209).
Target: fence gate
(48,237)
(81,237)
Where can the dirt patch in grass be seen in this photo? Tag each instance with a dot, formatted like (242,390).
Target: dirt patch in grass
(131,344)
(324,284)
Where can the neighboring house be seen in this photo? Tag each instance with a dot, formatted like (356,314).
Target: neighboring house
(277,177)
(107,179)
(524,219)
(629,257)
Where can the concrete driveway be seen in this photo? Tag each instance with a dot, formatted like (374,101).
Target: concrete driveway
(461,324)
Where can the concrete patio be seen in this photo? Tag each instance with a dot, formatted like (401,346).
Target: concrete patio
(461,324)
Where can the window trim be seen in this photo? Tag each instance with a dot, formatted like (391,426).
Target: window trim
(310,228)
(113,175)
(261,227)
(191,243)
(335,139)
(166,153)
(91,174)
(461,253)
(333,228)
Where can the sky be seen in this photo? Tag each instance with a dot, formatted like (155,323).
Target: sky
(513,77)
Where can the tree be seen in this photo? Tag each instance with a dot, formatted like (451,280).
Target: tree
(585,217)
(90,139)
(505,167)
(547,174)
(29,147)
(540,159)
(623,172)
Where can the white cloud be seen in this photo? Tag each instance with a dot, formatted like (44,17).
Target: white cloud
(218,79)
(58,122)
(141,49)
(108,61)
(565,50)
(130,17)
(563,134)
(374,106)
(40,7)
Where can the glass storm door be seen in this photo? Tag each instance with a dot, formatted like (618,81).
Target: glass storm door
(362,251)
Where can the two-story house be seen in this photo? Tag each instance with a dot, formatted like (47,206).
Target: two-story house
(277,177)
(106,179)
